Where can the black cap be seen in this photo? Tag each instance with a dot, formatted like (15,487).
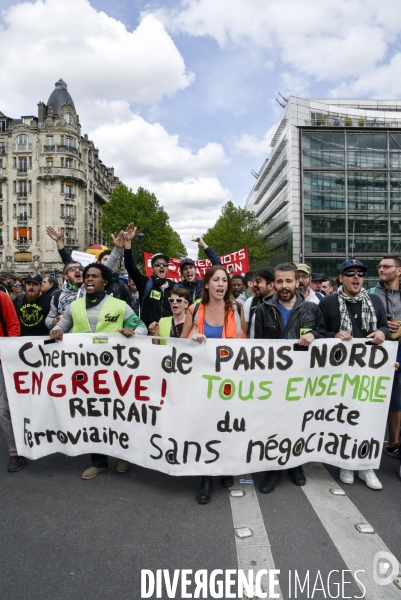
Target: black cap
(317,277)
(34,278)
(187,261)
(158,256)
(352,262)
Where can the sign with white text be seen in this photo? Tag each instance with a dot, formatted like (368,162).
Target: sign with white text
(223,407)
(236,263)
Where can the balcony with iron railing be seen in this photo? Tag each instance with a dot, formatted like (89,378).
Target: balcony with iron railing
(22,148)
(22,194)
(68,148)
(22,172)
(49,148)
(69,196)
(22,243)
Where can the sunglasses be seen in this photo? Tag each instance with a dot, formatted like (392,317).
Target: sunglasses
(159,264)
(178,300)
(76,268)
(353,273)
(17,285)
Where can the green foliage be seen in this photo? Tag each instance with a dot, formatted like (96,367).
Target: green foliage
(238,228)
(143,208)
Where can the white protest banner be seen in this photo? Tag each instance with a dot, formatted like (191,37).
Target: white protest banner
(83,257)
(224,407)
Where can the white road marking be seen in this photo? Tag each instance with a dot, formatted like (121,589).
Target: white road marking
(254,553)
(339,517)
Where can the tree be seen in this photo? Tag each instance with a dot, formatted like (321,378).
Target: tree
(238,228)
(151,219)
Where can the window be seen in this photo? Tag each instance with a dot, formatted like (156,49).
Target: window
(1,237)
(68,163)
(68,143)
(1,163)
(22,189)
(22,234)
(367,141)
(1,190)
(49,161)
(21,212)
(49,140)
(21,139)
(22,164)
(1,213)
(68,190)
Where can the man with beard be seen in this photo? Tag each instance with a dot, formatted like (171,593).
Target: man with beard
(388,289)
(154,291)
(7,279)
(188,271)
(264,286)
(33,307)
(353,313)
(287,315)
(304,274)
(71,290)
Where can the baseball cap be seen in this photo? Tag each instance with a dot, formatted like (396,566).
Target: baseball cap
(10,273)
(34,278)
(186,261)
(317,277)
(159,256)
(303,267)
(352,262)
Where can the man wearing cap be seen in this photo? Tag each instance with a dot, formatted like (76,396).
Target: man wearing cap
(188,271)
(154,291)
(316,283)
(353,313)
(7,279)
(304,274)
(33,307)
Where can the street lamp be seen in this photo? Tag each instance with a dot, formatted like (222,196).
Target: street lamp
(140,236)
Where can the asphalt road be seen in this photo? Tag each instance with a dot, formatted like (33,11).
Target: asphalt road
(62,538)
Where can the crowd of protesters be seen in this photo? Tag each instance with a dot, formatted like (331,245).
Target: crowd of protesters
(284,301)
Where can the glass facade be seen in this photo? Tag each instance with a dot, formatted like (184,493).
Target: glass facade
(351,195)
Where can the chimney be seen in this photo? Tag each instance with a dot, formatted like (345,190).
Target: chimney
(41,112)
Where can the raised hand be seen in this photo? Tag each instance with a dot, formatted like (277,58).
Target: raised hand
(119,239)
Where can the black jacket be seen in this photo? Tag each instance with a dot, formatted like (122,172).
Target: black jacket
(331,315)
(269,322)
(156,304)
(194,288)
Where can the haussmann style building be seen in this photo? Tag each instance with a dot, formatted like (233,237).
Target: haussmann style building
(49,175)
(331,187)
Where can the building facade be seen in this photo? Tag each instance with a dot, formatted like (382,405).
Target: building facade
(331,187)
(49,175)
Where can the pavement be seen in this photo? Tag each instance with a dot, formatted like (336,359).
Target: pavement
(63,538)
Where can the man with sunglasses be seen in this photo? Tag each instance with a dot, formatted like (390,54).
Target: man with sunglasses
(188,271)
(388,289)
(154,291)
(71,290)
(354,313)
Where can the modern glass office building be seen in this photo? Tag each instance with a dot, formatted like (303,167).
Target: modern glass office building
(331,188)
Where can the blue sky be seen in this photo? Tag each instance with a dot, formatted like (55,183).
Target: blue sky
(180,96)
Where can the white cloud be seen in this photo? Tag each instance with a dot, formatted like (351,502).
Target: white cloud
(145,154)
(332,41)
(104,64)
(250,145)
